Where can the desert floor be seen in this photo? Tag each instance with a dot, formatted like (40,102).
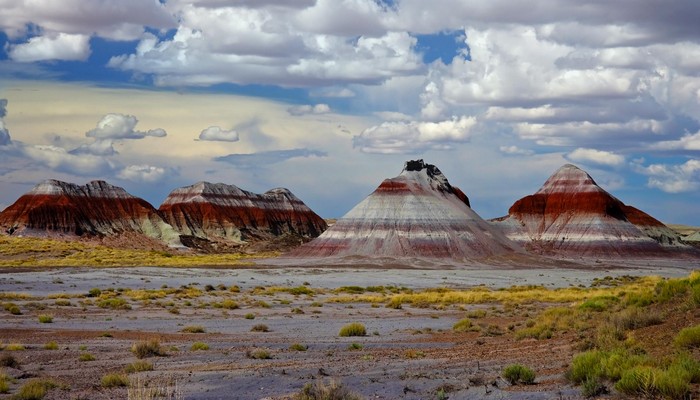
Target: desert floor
(408,352)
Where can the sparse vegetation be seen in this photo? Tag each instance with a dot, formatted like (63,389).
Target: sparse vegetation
(52,345)
(114,380)
(249,316)
(259,354)
(517,373)
(9,361)
(688,338)
(114,303)
(45,318)
(298,347)
(331,390)
(147,348)
(138,366)
(355,346)
(463,325)
(199,346)
(35,389)
(86,357)
(353,329)
(260,328)
(193,329)
(15,347)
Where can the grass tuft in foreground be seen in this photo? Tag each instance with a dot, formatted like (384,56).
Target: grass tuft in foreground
(353,329)
(517,373)
(147,348)
(332,390)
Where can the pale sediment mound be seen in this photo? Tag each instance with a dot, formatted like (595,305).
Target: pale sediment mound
(416,214)
(571,215)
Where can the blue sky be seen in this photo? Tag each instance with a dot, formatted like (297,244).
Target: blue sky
(329,97)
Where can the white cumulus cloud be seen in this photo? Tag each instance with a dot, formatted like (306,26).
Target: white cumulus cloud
(673,178)
(309,109)
(687,142)
(416,136)
(120,126)
(596,156)
(215,133)
(62,46)
(143,173)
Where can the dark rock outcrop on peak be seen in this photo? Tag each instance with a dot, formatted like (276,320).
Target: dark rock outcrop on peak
(571,215)
(416,214)
(96,209)
(218,211)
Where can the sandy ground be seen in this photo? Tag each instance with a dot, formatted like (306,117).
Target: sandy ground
(409,353)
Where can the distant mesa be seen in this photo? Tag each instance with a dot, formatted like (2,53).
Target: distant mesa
(572,216)
(416,214)
(217,211)
(96,209)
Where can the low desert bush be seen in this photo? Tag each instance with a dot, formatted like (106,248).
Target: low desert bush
(229,304)
(114,304)
(332,390)
(259,354)
(114,380)
(260,328)
(355,346)
(249,316)
(298,347)
(15,347)
(138,366)
(86,357)
(147,348)
(634,318)
(45,318)
(199,346)
(4,383)
(517,373)
(688,338)
(193,329)
(35,389)
(462,325)
(52,345)
(353,329)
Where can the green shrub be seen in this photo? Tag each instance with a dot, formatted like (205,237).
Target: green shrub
(94,292)
(259,354)
(539,332)
(229,304)
(688,337)
(14,310)
(4,384)
(45,319)
(114,304)
(462,325)
(147,348)
(63,303)
(598,304)
(585,366)
(86,357)
(298,347)
(517,373)
(52,345)
(199,346)
(15,347)
(260,328)
(114,380)
(593,387)
(193,329)
(353,329)
(638,381)
(35,389)
(333,390)
(138,366)
(635,318)
(670,288)
(250,316)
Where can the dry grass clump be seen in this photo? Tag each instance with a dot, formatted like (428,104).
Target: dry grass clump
(35,389)
(138,366)
(15,347)
(464,325)
(199,346)
(8,361)
(353,329)
(114,380)
(193,329)
(298,347)
(45,318)
(517,373)
(147,348)
(331,390)
(52,345)
(260,328)
(160,388)
(86,357)
(688,338)
(259,354)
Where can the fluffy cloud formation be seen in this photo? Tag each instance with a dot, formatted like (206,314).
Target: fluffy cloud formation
(215,133)
(309,109)
(62,46)
(515,151)
(673,178)
(596,156)
(687,142)
(119,126)
(142,173)
(414,137)
(263,158)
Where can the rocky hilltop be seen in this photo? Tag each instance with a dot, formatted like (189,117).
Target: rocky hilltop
(571,215)
(96,209)
(416,214)
(217,211)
